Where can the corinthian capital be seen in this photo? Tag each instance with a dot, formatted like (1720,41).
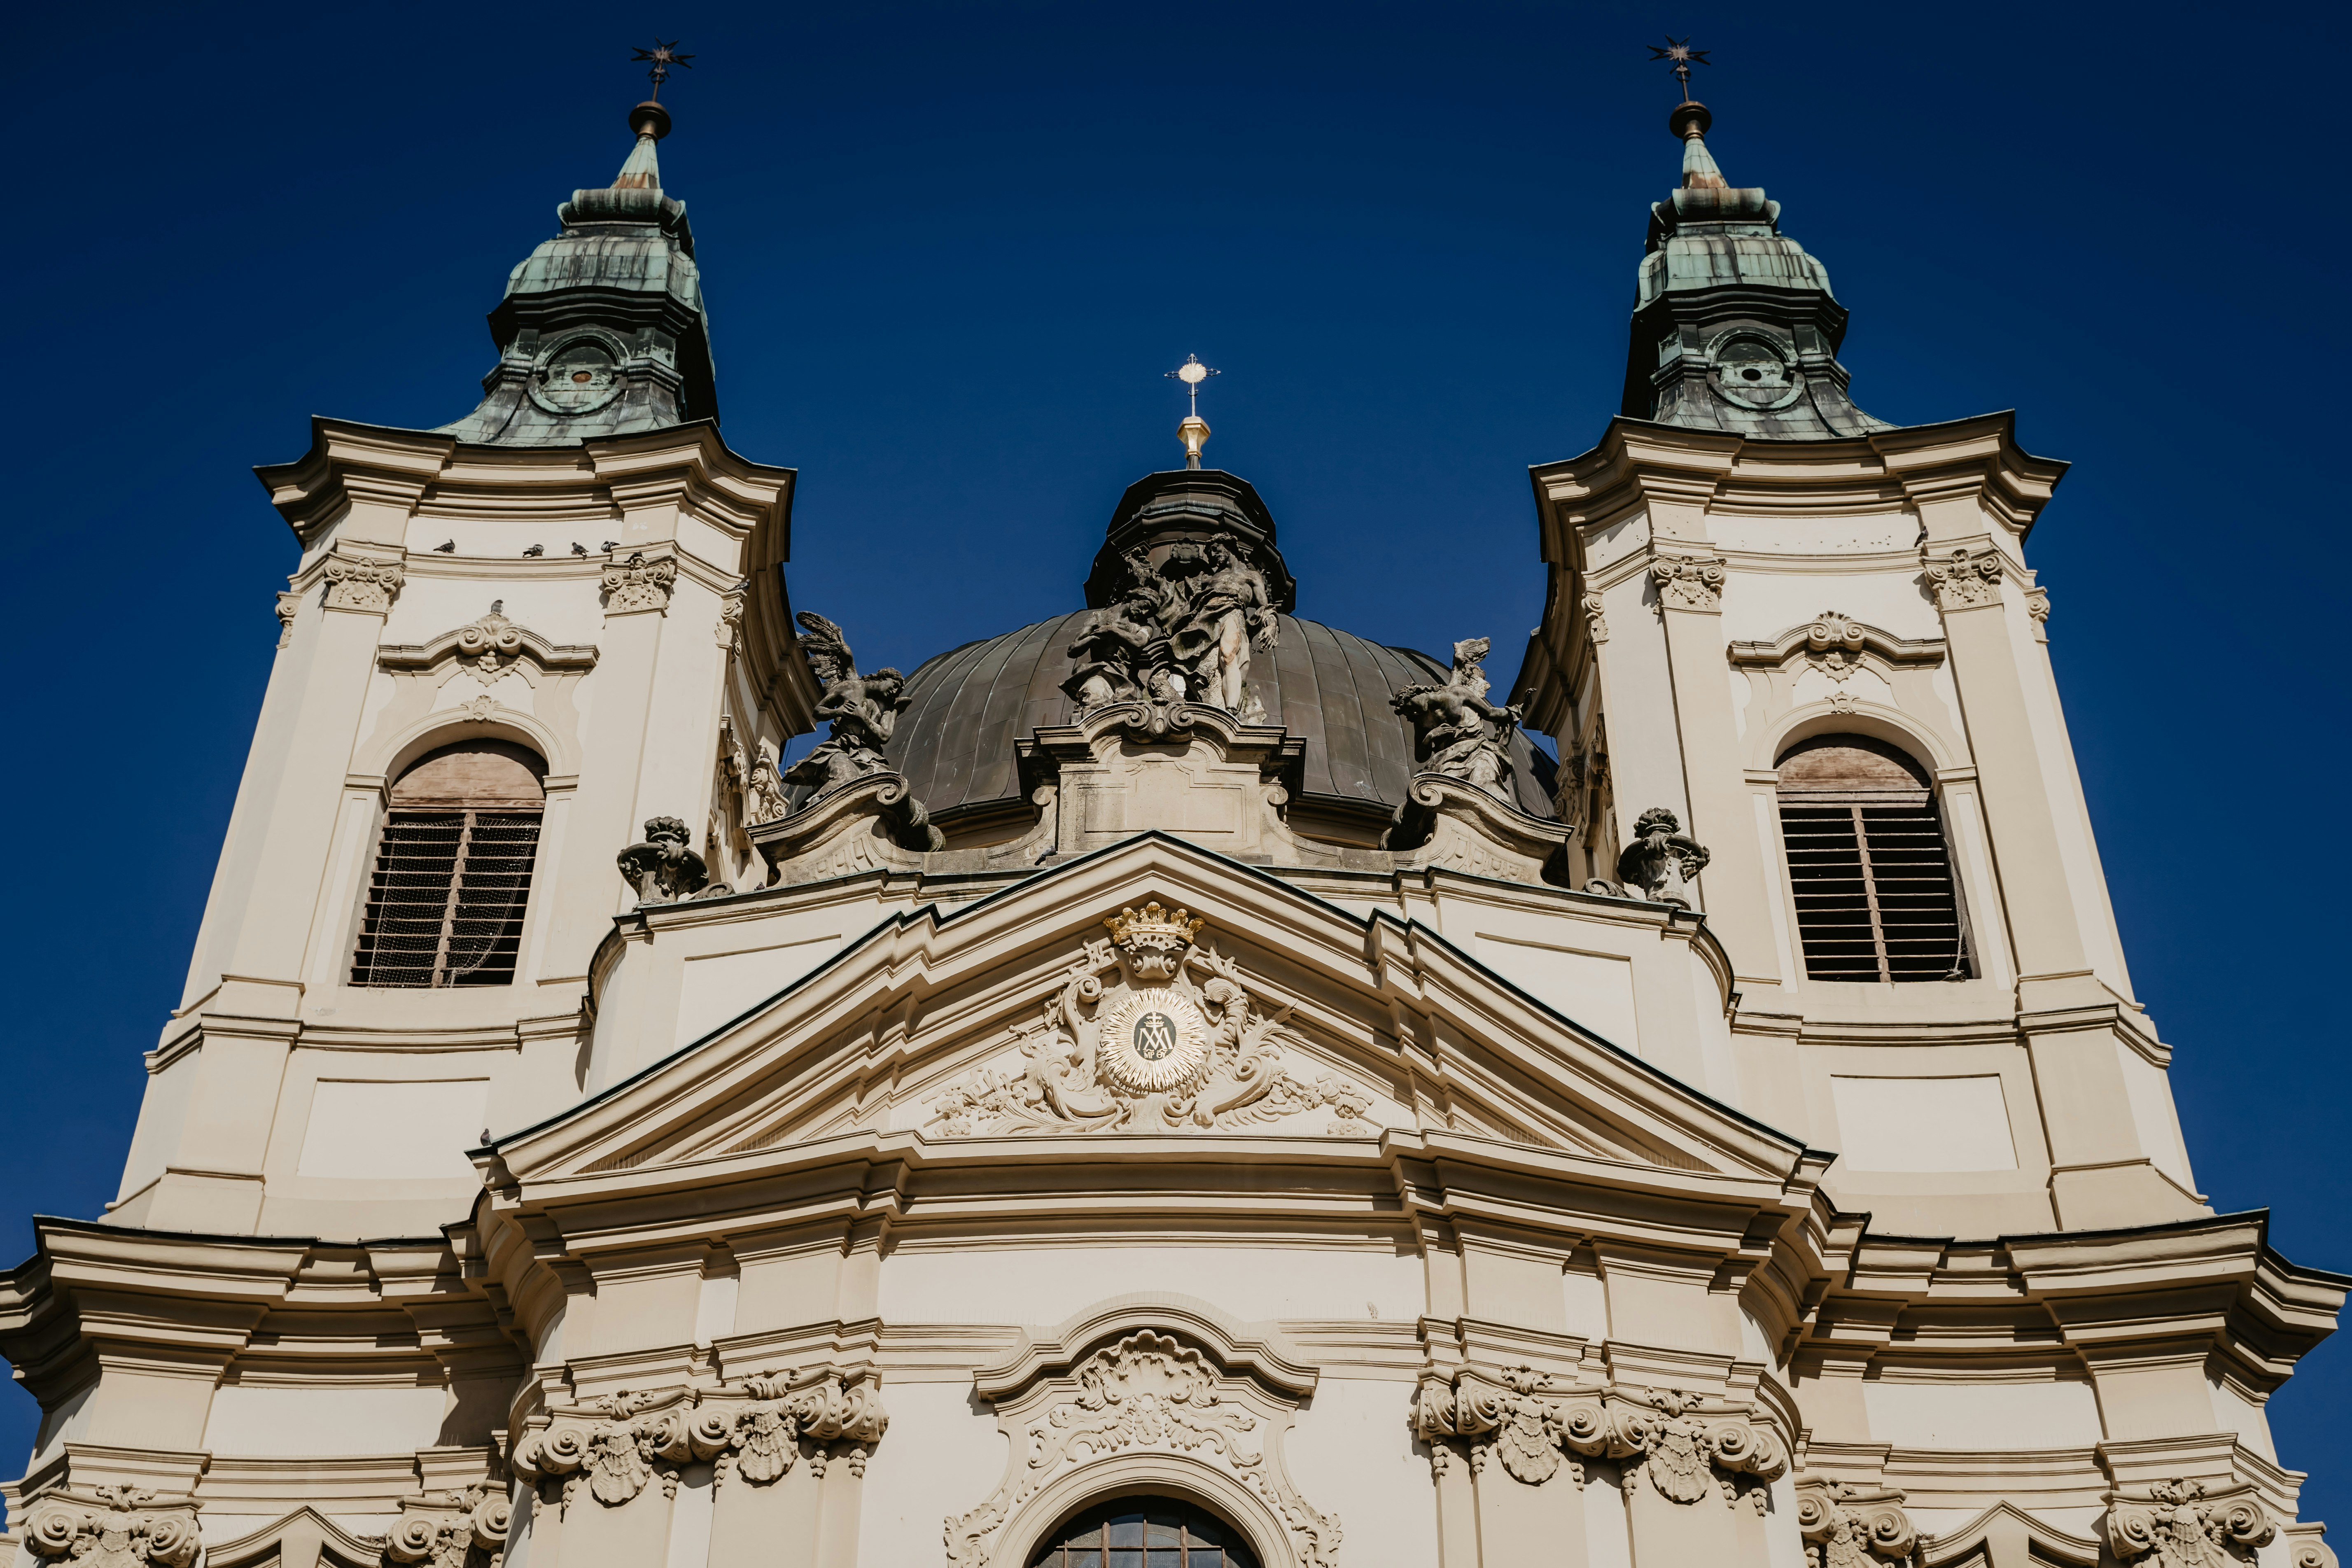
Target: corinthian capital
(355,584)
(1965,578)
(638,584)
(1688,582)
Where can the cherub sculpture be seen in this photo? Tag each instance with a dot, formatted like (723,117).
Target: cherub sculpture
(862,709)
(1456,731)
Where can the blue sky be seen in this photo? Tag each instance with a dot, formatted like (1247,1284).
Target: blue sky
(949,251)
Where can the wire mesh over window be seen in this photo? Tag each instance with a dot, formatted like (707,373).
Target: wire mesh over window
(1868,864)
(452,879)
(1144,1532)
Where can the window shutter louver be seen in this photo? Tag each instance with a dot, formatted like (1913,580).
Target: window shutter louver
(1868,865)
(452,878)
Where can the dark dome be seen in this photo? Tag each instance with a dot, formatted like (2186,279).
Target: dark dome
(967,707)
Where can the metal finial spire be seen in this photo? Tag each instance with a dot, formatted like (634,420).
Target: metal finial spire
(663,57)
(1680,52)
(1195,431)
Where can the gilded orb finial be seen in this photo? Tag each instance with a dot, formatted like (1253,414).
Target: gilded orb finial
(1195,431)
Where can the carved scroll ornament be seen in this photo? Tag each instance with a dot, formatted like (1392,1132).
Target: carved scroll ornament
(356,584)
(1965,578)
(464,1529)
(1662,861)
(1154,1051)
(2177,1526)
(1688,1454)
(112,1527)
(1847,1526)
(1148,1392)
(638,584)
(662,869)
(1688,582)
(614,1447)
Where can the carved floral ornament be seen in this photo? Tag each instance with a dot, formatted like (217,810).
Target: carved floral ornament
(112,1527)
(356,584)
(1154,1050)
(1849,1526)
(615,1446)
(1688,582)
(1688,1454)
(453,1529)
(1965,578)
(1149,1394)
(638,584)
(2176,1525)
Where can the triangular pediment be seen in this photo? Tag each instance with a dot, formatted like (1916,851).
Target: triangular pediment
(1068,1006)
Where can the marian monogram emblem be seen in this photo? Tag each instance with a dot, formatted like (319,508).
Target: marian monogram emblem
(1173,1042)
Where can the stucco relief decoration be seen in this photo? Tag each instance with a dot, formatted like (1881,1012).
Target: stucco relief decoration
(290,605)
(731,618)
(1688,582)
(112,1527)
(1180,630)
(1515,1415)
(1456,731)
(1154,1050)
(457,1529)
(355,585)
(489,646)
(1965,578)
(1595,618)
(2037,603)
(638,584)
(1147,1392)
(615,1447)
(2178,1526)
(1847,1526)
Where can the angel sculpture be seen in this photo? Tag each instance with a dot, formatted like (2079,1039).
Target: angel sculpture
(1123,655)
(862,709)
(1456,731)
(1227,610)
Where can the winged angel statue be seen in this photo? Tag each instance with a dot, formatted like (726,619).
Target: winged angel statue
(1157,1048)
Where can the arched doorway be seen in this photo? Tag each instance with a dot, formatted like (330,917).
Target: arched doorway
(1143,1532)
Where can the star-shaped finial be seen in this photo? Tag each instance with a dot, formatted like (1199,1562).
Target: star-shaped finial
(1679,51)
(663,57)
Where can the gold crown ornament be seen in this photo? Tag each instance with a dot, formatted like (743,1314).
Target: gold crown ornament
(1155,927)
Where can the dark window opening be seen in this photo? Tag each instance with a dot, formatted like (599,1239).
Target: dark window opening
(1868,864)
(1144,1532)
(452,880)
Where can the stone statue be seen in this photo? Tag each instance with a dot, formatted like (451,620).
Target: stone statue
(1661,861)
(1226,609)
(1124,653)
(862,709)
(1456,731)
(663,870)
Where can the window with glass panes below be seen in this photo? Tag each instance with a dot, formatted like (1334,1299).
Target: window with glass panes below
(1869,867)
(1144,1532)
(452,877)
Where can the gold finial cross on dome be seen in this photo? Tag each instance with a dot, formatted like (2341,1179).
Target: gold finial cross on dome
(663,57)
(1192,372)
(1680,52)
(1195,431)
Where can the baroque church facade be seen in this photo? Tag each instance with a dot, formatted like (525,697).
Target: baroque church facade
(1176,1085)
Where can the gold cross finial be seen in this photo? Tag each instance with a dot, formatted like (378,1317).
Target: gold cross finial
(1680,52)
(1195,431)
(663,57)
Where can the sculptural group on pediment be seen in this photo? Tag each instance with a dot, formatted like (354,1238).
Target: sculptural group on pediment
(1179,630)
(862,711)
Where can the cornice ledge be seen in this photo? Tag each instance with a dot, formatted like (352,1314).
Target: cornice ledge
(683,455)
(1963,455)
(1259,1350)
(381,461)
(2097,1263)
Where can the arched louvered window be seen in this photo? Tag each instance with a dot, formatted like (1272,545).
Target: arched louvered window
(1868,864)
(453,870)
(1144,1532)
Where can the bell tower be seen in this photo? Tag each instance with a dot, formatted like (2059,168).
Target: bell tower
(1815,640)
(506,645)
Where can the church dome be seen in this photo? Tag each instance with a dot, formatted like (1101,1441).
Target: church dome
(967,708)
